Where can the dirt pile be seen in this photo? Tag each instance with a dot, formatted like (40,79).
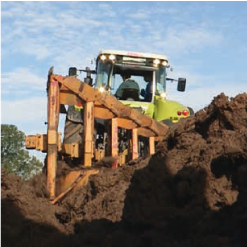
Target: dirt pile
(192,192)
(27,218)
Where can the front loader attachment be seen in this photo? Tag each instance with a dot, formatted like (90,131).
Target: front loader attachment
(68,90)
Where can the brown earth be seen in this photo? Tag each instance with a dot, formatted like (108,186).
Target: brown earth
(192,192)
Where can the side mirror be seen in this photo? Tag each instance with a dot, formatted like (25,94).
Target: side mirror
(181,84)
(72,71)
(88,79)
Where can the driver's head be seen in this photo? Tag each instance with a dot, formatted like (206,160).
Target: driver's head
(125,76)
(148,78)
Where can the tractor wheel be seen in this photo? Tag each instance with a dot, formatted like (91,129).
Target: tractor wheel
(73,132)
(143,146)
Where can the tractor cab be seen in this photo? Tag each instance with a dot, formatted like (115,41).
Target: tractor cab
(127,75)
(138,80)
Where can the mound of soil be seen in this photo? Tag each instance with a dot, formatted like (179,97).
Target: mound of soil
(191,192)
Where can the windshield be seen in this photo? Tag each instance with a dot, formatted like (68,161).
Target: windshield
(131,82)
(161,80)
(103,74)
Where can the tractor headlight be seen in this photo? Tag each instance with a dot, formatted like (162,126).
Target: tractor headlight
(156,61)
(112,57)
(102,89)
(103,57)
(163,95)
(165,63)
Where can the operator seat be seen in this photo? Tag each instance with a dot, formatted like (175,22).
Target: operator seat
(130,94)
(128,90)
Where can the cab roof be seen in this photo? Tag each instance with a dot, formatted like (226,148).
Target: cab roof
(133,54)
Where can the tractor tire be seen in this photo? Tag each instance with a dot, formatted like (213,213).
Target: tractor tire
(143,147)
(73,132)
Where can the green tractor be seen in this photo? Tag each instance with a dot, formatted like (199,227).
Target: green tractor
(135,79)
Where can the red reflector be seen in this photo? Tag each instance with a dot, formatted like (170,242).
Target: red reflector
(185,112)
(179,113)
(79,104)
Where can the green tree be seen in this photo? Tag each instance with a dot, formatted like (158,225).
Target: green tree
(14,158)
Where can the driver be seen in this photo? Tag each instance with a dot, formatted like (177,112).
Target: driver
(147,93)
(128,84)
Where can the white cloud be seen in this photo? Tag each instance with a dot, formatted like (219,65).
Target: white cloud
(22,79)
(49,35)
(103,33)
(104,6)
(27,111)
(16,93)
(193,79)
(107,10)
(80,59)
(188,39)
(74,21)
(140,14)
(6,14)
(40,51)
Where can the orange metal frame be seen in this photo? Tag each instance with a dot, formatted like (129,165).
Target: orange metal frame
(71,91)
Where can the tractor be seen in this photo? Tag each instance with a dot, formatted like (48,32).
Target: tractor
(128,76)
(121,114)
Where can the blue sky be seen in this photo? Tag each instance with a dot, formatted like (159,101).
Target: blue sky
(206,42)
